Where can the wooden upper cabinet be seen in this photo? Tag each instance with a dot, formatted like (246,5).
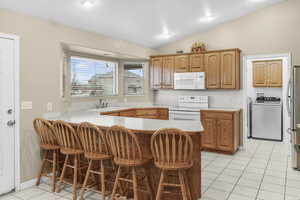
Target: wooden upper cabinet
(168,72)
(156,72)
(181,63)
(197,63)
(212,65)
(275,73)
(260,74)
(221,67)
(229,70)
(267,73)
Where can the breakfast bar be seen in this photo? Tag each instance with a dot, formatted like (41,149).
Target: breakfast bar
(144,129)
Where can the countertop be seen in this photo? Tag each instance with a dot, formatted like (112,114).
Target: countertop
(137,124)
(111,109)
(93,116)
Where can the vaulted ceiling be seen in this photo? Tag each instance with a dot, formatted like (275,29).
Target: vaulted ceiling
(151,23)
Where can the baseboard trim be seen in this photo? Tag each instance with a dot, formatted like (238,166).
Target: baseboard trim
(27,184)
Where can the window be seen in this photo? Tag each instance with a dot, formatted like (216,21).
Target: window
(134,79)
(91,77)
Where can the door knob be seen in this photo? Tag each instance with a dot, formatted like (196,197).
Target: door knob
(11,123)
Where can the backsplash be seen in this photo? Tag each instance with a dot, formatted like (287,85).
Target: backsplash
(226,98)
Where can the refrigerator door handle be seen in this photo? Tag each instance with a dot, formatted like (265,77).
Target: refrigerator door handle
(288,98)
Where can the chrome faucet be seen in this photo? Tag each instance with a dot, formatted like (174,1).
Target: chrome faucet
(101,104)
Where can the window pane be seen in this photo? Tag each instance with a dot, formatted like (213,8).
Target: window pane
(92,77)
(134,79)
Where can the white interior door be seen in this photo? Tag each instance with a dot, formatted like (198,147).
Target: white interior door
(7,116)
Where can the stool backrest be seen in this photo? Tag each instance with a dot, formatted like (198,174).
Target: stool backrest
(92,139)
(172,147)
(66,135)
(45,131)
(124,144)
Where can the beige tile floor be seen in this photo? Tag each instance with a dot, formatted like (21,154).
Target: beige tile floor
(262,172)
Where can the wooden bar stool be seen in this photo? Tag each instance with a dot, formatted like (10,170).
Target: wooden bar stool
(127,153)
(49,144)
(172,150)
(71,147)
(95,149)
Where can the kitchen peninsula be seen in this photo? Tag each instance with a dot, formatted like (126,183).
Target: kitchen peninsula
(144,128)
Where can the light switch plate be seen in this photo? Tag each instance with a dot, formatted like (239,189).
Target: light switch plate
(26,105)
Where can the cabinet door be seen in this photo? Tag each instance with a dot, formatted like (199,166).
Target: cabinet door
(228,70)
(260,74)
(197,63)
(275,73)
(181,63)
(209,137)
(156,72)
(225,135)
(212,66)
(168,72)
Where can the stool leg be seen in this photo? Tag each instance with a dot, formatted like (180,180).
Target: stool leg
(102,180)
(116,182)
(74,187)
(183,185)
(187,185)
(135,191)
(85,180)
(62,173)
(42,169)
(160,185)
(148,185)
(54,164)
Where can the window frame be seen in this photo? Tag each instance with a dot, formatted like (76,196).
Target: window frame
(68,80)
(144,85)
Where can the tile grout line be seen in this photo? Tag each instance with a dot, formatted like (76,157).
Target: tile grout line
(243,171)
(264,172)
(218,174)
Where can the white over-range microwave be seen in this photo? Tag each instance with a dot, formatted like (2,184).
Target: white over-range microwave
(189,81)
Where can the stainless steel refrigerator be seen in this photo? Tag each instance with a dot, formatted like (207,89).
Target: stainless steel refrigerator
(293,107)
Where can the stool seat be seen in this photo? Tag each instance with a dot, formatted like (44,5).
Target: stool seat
(97,156)
(69,151)
(131,163)
(49,147)
(178,166)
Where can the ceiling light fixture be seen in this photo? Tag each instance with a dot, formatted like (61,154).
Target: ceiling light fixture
(88,3)
(165,34)
(207,19)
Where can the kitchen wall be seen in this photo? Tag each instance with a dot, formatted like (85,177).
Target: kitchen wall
(270,30)
(41,58)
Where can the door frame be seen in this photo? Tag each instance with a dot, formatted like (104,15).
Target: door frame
(286,77)
(16,66)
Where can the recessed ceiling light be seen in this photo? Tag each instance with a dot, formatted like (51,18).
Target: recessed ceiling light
(165,34)
(88,3)
(207,19)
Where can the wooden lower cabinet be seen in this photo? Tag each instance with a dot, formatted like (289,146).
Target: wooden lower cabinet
(210,139)
(146,113)
(221,130)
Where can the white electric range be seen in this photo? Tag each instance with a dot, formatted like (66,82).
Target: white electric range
(188,108)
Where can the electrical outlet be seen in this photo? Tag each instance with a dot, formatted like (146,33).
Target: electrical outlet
(49,107)
(26,105)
